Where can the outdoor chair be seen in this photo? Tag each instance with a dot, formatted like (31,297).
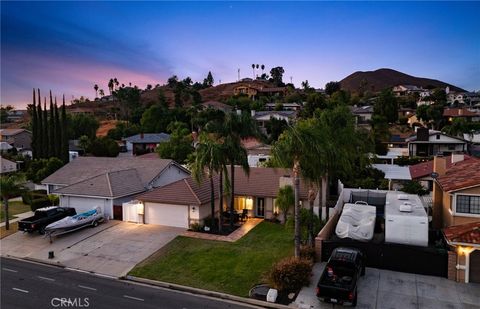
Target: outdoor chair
(244,215)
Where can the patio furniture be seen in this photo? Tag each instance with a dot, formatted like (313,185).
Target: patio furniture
(244,215)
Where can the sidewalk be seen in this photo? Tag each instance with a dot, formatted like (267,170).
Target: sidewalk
(19,217)
(236,235)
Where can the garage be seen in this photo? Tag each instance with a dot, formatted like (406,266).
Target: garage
(166,214)
(82,204)
(475,266)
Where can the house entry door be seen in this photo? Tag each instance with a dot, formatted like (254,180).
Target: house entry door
(260,207)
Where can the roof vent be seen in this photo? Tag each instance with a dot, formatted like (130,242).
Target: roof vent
(405,207)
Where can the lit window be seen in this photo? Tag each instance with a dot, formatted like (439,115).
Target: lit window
(276,209)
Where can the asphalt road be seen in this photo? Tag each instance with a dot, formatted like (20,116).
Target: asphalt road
(31,285)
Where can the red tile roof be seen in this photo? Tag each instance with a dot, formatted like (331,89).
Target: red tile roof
(426,168)
(459,112)
(465,233)
(462,175)
(261,182)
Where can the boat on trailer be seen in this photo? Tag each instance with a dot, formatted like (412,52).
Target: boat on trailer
(73,223)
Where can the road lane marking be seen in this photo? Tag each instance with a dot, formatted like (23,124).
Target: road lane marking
(135,298)
(20,290)
(45,278)
(8,269)
(87,287)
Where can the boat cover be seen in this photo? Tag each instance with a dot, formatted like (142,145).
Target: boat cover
(357,222)
(76,220)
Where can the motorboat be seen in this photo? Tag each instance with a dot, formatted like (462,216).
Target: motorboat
(73,223)
(357,221)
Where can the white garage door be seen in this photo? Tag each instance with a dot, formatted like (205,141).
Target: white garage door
(82,204)
(165,214)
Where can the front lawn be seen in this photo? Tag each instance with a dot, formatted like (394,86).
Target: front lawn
(13,229)
(219,266)
(14,208)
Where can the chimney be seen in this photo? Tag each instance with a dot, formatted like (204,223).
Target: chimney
(285,181)
(457,158)
(440,165)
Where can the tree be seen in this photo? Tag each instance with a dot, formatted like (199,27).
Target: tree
(101,93)
(46,134)
(83,124)
(306,86)
(156,118)
(110,85)
(332,87)
(10,186)
(275,127)
(51,129)
(129,100)
(263,68)
(4,113)
(41,168)
(253,68)
(95,87)
(386,105)
(208,82)
(277,76)
(40,142)
(116,83)
(149,87)
(179,147)
(84,143)
(210,157)
(104,147)
(58,134)
(380,134)
(65,156)
(33,114)
(285,200)
(314,101)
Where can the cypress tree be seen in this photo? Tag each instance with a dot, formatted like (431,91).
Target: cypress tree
(64,134)
(46,142)
(51,130)
(33,111)
(58,135)
(40,142)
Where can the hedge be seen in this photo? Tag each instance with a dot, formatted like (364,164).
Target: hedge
(40,203)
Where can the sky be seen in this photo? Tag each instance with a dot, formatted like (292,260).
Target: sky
(67,47)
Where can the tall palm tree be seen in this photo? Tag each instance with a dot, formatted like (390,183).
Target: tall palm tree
(263,68)
(96,90)
(116,83)
(208,159)
(10,186)
(110,85)
(253,68)
(101,92)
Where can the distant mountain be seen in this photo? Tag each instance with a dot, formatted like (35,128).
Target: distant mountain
(386,78)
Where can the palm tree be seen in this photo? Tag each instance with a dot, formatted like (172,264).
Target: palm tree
(101,92)
(285,199)
(209,158)
(110,85)
(253,68)
(96,90)
(10,186)
(116,83)
(263,68)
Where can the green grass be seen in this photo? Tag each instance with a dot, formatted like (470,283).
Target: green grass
(14,208)
(219,266)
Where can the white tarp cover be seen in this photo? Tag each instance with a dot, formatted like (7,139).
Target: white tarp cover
(357,222)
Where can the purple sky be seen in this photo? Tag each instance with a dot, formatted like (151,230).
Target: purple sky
(70,46)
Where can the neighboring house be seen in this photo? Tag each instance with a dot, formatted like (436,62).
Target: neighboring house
(405,112)
(285,106)
(465,113)
(89,182)
(18,138)
(263,117)
(257,152)
(413,121)
(218,106)
(456,208)
(16,115)
(7,166)
(395,174)
(145,142)
(4,146)
(254,91)
(422,172)
(404,90)
(426,143)
(362,114)
(186,202)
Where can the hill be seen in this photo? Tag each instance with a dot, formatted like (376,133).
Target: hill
(386,78)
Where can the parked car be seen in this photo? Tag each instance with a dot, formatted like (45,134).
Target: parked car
(43,217)
(338,283)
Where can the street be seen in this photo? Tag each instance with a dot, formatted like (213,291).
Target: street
(31,285)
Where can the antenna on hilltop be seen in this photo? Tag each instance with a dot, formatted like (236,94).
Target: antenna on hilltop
(291,80)
(238,74)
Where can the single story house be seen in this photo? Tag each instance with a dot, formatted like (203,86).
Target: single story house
(218,106)
(263,117)
(468,114)
(89,182)
(426,143)
(362,114)
(185,202)
(145,142)
(18,138)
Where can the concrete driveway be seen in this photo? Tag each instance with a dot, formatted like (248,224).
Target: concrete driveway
(113,248)
(384,289)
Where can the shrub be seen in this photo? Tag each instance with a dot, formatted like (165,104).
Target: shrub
(414,187)
(307,253)
(28,196)
(39,203)
(290,274)
(196,227)
(54,199)
(104,147)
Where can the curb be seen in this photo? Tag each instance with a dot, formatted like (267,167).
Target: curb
(183,288)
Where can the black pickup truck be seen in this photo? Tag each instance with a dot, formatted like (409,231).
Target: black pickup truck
(338,283)
(43,217)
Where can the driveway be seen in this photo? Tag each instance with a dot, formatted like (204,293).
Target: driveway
(384,289)
(113,248)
